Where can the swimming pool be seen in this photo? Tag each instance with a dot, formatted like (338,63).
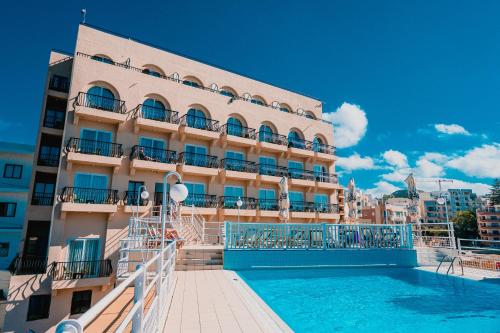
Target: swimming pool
(377,300)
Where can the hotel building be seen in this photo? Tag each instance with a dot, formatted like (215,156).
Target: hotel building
(488,222)
(117,115)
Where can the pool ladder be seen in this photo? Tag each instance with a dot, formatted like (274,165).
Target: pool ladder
(451,259)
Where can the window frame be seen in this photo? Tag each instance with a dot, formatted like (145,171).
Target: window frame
(79,308)
(44,307)
(14,166)
(7,209)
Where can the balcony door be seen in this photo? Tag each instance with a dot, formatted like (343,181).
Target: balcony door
(231,194)
(321,202)
(154,149)
(95,142)
(320,172)
(196,155)
(267,198)
(267,165)
(83,256)
(90,188)
(235,160)
(196,119)
(295,169)
(296,200)
(196,195)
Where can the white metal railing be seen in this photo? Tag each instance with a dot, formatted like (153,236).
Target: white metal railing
(479,245)
(480,253)
(434,235)
(153,280)
(316,236)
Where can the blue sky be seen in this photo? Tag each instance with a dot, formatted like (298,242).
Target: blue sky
(411,85)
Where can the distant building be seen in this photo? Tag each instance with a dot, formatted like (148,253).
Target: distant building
(16,162)
(488,222)
(456,200)
(462,200)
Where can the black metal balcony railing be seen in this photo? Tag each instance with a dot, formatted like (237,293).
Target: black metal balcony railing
(326,207)
(301,144)
(302,206)
(94,147)
(277,139)
(27,265)
(131,198)
(233,164)
(206,161)
(201,200)
(158,114)
(42,199)
(326,177)
(268,204)
(230,202)
(49,159)
(59,83)
(100,102)
(199,123)
(71,270)
(153,154)
(54,119)
(90,195)
(241,131)
(322,148)
(272,170)
(301,174)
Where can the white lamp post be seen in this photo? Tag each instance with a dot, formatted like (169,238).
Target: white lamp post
(142,194)
(239,203)
(178,193)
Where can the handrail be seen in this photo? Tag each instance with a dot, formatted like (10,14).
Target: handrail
(28,264)
(238,130)
(94,147)
(324,148)
(324,177)
(230,202)
(234,164)
(48,159)
(89,195)
(202,123)
(278,139)
(296,173)
(269,204)
(100,102)
(302,206)
(301,144)
(201,200)
(155,113)
(70,270)
(201,160)
(131,197)
(42,199)
(272,170)
(153,154)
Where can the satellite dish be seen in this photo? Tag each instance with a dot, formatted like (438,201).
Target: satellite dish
(247,96)
(441,201)
(275,104)
(214,87)
(175,76)
(300,112)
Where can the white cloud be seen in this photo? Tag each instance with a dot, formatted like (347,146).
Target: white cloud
(356,162)
(426,168)
(435,157)
(381,188)
(451,129)
(481,161)
(395,158)
(430,185)
(398,175)
(350,124)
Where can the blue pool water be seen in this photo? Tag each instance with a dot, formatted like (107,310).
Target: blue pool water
(377,300)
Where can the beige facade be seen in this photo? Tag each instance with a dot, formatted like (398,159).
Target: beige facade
(134,127)
(488,222)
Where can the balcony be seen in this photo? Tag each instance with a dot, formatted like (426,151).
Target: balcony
(131,199)
(327,211)
(302,209)
(152,159)
(198,164)
(99,108)
(268,208)
(238,169)
(205,204)
(54,119)
(48,159)
(327,181)
(91,200)
(155,119)
(269,173)
(28,265)
(301,148)
(301,177)
(59,83)
(324,152)
(271,142)
(237,135)
(229,207)
(42,199)
(199,128)
(92,152)
(78,274)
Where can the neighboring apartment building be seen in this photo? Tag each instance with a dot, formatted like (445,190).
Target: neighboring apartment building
(456,200)
(16,161)
(117,115)
(462,200)
(488,222)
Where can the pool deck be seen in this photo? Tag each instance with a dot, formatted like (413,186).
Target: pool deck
(469,273)
(219,301)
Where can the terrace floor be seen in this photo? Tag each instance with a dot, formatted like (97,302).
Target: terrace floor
(469,273)
(218,301)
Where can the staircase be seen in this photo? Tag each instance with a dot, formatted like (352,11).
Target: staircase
(199,258)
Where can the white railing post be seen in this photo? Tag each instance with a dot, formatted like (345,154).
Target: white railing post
(159,284)
(137,321)
(324,235)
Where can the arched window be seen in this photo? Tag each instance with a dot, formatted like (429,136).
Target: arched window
(102,59)
(153,109)
(265,133)
(234,127)
(151,72)
(317,144)
(226,93)
(101,98)
(196,118)
(309,115)
(257,100)
(191,83)
(295,140)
